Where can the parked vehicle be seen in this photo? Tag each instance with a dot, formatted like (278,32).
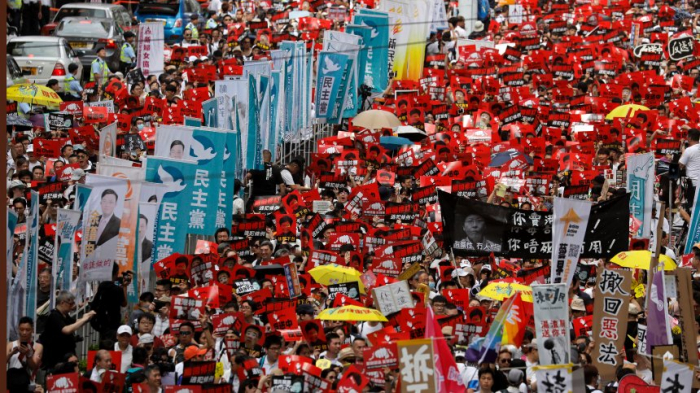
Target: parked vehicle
(85,34)
(174,14)
(13,73)
(42,58)
(92,10)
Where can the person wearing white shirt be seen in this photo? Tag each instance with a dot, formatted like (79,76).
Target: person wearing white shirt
(123,337)
(690,159)
(269,362)
(103,360)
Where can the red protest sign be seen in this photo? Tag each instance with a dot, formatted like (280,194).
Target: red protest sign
(48,147)
(64,383)
(95,114)
(380,356)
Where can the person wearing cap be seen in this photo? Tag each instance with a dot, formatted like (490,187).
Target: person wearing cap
(99,70)
(127,57)
(578,308)
(123,345)
(192,27)
(191,354)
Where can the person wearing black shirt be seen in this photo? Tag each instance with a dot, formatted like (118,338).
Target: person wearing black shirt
(110,297)
(58,337)
(265,181)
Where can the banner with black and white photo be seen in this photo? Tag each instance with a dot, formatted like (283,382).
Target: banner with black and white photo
(551,309)
(569,228)
(476,228)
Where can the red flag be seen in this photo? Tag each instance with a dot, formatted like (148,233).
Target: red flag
(447,374)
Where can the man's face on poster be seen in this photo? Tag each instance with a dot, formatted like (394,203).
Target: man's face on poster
(474,225)
(108,203)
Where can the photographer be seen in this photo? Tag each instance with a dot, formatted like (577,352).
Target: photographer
(107,303)
(23,358)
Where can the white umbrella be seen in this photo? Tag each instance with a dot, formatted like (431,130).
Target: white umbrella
(376,119)
(410,132)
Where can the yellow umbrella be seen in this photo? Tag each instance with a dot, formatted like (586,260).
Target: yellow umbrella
(33,94)
(621,111)
(352,313)
(503,290)
(336,274)
(641,260)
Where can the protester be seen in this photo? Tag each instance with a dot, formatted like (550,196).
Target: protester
(282,195)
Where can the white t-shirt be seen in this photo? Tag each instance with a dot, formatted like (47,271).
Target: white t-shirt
(691,160)
(287,177)
(126,356)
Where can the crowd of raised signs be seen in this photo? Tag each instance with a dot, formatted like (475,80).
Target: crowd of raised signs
(376,264)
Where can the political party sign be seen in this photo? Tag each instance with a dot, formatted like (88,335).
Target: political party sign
(102,222)
(569,225)
(64,246)
(173,216)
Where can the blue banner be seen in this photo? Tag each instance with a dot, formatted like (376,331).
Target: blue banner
(331,69)
(225,206)
(288,48)
(174,211)
(694,227)
(207,148)
(341,97)
(253,134)
(32,258)
(192,122)
(62,269)
(377,67)
(275,120)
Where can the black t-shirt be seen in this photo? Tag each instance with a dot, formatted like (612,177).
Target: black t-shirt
(110,297)
(56,344)
(265,181)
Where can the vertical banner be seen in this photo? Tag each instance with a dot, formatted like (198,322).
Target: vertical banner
(276,113)
(694,226)
(417,366)
(330,74)
(551,309)
(150,54)
(174,211)
(658,326)
(349,44)
(287,48)
(148,215)
(687,318)
(11,224)
(102,223)
(253,122)
(365,33)
(32,258)
(568,230)
(420,29)
(62,268)
(640,183)
(126,244)
(108,140)
(554,378)
(677,377)
(377,71)
(210,112)
(206,147)
(224,207)
(610,316)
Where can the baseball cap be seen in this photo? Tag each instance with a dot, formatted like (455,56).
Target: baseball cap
(77,174)
(191,59)
(515,376)
(124,329)
(460,273)
(193,351)
(17,183)
(146,339)
(634,309)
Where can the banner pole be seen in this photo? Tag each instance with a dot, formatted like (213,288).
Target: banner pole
(655,258)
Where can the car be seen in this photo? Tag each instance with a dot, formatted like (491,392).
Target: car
(174,14)
(92,10)
(13,73)
(84,34)
(43,58)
